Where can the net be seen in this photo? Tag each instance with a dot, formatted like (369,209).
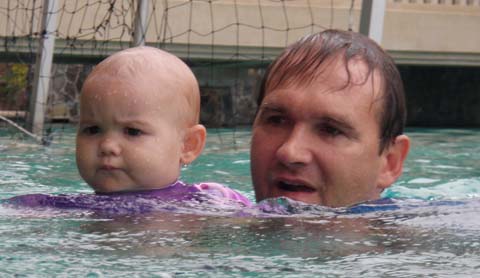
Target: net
(227,43)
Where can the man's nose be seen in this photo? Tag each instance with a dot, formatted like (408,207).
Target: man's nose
(109,146)
(295,149)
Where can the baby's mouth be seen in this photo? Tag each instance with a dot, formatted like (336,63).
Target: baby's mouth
(294,187)
(107,167)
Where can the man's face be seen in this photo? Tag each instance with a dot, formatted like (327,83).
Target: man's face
(320,143)
(128,139)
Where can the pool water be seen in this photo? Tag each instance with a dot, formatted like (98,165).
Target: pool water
(434,232)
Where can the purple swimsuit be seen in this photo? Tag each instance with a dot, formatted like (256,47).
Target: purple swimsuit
(167,198)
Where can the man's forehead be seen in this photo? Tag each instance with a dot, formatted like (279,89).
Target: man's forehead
(338,74)
(366,94)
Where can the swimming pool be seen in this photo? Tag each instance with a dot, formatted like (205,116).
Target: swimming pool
(436,239)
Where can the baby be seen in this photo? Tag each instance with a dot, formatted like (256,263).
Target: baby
(139,112)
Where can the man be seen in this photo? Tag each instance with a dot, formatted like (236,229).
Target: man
(329,127)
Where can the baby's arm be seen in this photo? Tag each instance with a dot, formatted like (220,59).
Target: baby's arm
(223,192)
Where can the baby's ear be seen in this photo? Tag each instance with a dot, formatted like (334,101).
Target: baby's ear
(193,143)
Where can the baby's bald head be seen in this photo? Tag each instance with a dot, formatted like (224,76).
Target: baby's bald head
(142,70)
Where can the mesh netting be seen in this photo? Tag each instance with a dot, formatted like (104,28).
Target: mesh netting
(227,43)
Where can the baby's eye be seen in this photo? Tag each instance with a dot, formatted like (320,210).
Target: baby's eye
(274,119)
(91,130)
(130,131)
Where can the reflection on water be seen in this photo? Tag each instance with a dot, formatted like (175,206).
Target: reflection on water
(428,240)
(434,233)
(443,163)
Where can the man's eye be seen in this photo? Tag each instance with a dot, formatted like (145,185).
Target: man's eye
(130,131)
(91,130)
(330,130)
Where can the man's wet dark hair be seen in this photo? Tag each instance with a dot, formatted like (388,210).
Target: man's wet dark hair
(303,61)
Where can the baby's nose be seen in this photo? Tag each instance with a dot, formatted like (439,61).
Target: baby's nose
(109,146)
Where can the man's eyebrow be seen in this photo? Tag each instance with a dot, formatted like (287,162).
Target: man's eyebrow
(342,123)
(338,121)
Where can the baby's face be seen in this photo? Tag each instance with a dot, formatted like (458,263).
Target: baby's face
(128,138)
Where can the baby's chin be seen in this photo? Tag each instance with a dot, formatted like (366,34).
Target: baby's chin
(118,189)
(106,188)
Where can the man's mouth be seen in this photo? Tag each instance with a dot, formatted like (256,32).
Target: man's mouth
(294,187)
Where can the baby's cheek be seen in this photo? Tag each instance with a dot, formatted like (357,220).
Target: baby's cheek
(85,169)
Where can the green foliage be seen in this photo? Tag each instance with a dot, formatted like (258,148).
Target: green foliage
(13,85)
(15,78)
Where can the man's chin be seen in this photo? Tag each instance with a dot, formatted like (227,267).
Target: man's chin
(302,196)
(307,196)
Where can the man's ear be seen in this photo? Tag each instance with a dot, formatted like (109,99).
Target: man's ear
(193,143)
(392,163)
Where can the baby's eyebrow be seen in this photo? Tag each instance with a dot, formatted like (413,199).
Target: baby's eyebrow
(85,120)
(270,107)
(135,122)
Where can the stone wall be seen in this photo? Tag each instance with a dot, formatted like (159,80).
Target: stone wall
(227,93)
(65,87)
(436,96)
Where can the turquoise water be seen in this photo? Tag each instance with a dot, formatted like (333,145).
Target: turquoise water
(418,239)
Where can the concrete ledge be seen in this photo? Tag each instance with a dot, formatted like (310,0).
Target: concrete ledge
(217,53)
(12,114)
(435,58)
